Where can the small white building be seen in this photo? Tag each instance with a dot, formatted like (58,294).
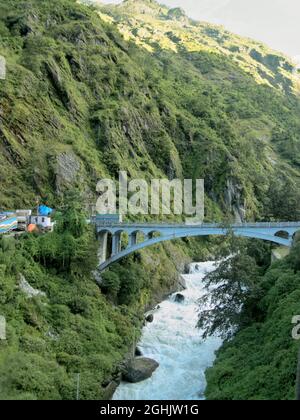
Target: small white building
(23,217)
(43,222)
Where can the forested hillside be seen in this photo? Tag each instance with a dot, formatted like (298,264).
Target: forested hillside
(58,322)
(139,88)
(260,362)
(80,102)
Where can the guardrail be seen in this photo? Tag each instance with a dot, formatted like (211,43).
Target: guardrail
(202,225)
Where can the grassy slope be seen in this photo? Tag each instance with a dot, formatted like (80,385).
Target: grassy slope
(152,25)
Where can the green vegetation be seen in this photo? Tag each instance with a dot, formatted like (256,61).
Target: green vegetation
(154,26)
(254,312)
(70,329)
(72,326)
(139,88)
(80,103)
(234,286)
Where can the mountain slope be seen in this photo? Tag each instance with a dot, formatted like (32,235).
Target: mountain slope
(150,25)
(79,103)
(260,362)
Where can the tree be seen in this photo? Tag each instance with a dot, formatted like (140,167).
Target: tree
(232,292)
(111,283)
(294,257)
(72,218)
(298,380)
(283,200)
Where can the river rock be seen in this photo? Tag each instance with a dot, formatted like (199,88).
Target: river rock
(110,389)
(150,318)
(179,298)
(182,282)
(138,352)
(186,269)
(139,369)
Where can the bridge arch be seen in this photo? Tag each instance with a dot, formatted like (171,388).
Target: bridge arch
(135,246)
(154,234)
(282,234)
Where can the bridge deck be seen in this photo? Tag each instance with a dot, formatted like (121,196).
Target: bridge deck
(267,231)
(199,225)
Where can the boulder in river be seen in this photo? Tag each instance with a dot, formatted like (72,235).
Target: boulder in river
(150,318)
(182,282)
(138,352)
(187,269)
(179,298)
(139,369)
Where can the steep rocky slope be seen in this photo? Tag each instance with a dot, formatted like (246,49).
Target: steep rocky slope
(152,25)
(80,102)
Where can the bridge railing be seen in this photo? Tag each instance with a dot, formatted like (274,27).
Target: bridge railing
(280,225)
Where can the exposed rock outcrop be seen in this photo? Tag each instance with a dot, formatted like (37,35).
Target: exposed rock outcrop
(29,291)
(178,14)
(234,201)
(67,169)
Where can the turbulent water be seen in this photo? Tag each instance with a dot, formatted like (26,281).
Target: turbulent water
(176,344)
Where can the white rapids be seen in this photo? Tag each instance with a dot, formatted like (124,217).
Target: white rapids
(173,341)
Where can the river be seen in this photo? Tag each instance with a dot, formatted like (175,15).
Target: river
(173,341)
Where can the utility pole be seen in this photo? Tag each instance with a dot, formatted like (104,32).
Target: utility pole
(298,379)
(78,387)
(37,202)
(134,344)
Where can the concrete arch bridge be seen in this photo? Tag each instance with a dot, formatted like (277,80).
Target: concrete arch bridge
(143,235)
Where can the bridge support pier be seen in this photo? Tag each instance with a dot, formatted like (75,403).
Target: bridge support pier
(102,253)
(116,244)
(292,238)
(132,239)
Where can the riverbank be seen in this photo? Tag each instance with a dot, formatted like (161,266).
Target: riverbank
(260,362)
(174,342)
(178,285)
